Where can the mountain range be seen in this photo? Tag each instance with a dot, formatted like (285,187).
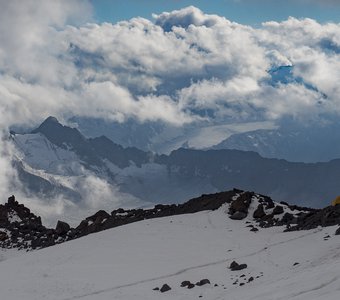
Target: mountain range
(55,160)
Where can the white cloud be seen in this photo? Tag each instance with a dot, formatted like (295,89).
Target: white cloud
(137,69)
(186,17)
(183,66)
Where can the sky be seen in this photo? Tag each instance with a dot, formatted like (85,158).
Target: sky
(191,65)
(251,12)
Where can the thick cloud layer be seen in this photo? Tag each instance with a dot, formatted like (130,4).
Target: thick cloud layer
(175,68)
(180,67)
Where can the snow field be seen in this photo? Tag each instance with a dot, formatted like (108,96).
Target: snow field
(129,261)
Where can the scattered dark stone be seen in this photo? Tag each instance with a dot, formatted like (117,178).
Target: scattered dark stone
(190,286)
(156,289)
(251,279)
(234,266)
(242,283)
(203,282)
(278,210)
(215,285)
(165,288)
(337,232)
(295,264)
(242,276)
(185,283)
(254,229)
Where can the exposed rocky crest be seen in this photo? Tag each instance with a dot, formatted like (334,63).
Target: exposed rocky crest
(20,228)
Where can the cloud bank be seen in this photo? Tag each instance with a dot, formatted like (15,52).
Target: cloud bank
(180,67)
(173,68)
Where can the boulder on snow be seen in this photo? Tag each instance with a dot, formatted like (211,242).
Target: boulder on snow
(337,232)
(165,288)
(62,228)
(234,266)
(203,282)
(185,283)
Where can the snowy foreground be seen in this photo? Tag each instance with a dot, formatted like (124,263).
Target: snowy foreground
(129,261)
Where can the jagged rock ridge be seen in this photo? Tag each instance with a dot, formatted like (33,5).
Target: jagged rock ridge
(20,228)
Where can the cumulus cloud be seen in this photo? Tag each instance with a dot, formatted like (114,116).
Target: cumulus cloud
(168,69)
(181,67)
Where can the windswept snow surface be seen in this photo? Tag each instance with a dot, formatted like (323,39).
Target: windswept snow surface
(129,261)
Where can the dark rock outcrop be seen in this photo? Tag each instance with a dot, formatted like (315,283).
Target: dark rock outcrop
(27,231)
(259,212)
(242,203)
(328,216)
(278,210)
(62,228)
(19,228)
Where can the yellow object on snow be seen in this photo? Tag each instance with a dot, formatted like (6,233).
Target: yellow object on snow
(336,201)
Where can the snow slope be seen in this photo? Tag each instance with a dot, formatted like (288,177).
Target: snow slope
(129,261)
(39,153)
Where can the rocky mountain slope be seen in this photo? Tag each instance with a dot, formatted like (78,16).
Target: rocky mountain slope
(228,245)
(20,228)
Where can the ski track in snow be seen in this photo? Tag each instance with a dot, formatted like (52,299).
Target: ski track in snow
(319,287)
